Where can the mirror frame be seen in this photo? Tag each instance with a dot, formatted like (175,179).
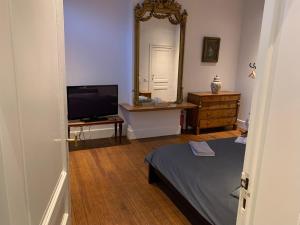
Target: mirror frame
(160,9)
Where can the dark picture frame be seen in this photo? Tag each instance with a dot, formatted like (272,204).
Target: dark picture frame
(211,49)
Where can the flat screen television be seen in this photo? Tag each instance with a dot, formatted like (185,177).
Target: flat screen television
(92,102)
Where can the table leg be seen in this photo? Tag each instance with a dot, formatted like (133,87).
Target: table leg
(187,120)
(116,129)
(120,132)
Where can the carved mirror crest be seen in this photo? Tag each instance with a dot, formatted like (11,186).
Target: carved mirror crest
(160,27)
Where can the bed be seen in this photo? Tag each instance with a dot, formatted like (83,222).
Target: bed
(201,187)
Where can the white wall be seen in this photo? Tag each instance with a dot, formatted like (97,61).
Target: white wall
(250,34)
(206,18)
(99,43)
(211,18)
(98,39)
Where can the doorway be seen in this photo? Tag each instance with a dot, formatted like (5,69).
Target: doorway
(162,74)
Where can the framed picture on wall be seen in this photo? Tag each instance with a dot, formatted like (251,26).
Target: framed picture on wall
(211,48)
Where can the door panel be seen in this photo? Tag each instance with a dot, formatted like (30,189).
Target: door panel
(272,156)
(161,71)
(12,181)
(37,93)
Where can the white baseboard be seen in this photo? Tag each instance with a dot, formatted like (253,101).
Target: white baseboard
(241,124)
(133,134)
(56,208)
(97,132)
(65,220)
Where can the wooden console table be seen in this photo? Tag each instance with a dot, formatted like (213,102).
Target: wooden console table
(116,120)
(159,107)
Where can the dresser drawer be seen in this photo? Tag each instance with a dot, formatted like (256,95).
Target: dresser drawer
(217,122)
(220,98)
(219,105)
(215,114)
(202,99)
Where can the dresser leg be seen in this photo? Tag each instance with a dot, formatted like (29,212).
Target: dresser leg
(197,130)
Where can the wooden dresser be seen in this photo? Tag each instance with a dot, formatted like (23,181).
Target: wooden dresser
(214,110)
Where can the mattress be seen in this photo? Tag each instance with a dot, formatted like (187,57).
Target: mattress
(206,182)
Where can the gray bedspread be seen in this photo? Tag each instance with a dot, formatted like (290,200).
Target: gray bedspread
(206,182)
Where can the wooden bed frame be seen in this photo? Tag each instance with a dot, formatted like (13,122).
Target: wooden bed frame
(177,198)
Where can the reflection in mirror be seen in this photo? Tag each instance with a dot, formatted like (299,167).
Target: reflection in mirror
(159,60)
(160,27)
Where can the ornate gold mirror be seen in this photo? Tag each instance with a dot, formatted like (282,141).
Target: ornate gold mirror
(159,52)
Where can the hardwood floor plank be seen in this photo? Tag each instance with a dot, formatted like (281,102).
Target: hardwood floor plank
(109,186)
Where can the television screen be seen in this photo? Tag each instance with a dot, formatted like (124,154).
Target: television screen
(92,102)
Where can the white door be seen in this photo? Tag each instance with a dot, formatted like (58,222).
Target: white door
(33,152)
(273,156)
(162,72)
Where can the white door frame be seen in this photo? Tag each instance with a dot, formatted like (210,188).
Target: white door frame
(266,62)
(62,188)
(63,100)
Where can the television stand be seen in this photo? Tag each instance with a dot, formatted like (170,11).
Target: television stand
(88,120)
(116,120)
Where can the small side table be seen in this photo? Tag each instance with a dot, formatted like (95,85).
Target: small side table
(116,120)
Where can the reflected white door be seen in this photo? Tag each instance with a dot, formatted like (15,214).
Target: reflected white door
(33,152)
(162,61)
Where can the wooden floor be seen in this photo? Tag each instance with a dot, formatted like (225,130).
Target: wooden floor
(109,185)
